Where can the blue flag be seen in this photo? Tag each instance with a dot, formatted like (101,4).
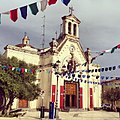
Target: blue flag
(24,12)
(66,2)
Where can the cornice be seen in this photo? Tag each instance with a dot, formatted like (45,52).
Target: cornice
(20,49)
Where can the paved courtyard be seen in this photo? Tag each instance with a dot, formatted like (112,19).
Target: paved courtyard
(79,115)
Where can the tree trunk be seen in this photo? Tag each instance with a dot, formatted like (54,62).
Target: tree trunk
(115,107)
(7,108)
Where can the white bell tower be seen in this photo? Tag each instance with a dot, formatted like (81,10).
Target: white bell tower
(26,39)
(71,25)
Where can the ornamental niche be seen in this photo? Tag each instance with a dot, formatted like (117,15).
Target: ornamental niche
(71,66)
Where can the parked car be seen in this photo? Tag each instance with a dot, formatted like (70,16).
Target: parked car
(118,109)
(107,106)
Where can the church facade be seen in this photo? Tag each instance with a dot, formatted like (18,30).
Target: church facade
(65,72)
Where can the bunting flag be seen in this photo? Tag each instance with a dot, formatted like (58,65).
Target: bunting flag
(92,70)
(116,47)
(93,59)
(65,74)
(106,51)
(66,2)
(0,18)
(34,8)
(24,12)
(43,5)
(113,49)
(14,15)
(50,2)
(84,64)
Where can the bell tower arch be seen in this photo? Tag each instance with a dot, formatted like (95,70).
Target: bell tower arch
(71,25)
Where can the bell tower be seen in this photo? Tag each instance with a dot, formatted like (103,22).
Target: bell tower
(71,24)
(26,39)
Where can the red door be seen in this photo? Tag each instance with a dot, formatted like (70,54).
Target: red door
(53,92)
(81,97)
(23,104)
(61,96)
(91,98)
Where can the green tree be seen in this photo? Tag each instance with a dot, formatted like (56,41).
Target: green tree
(112,95)
(17,83)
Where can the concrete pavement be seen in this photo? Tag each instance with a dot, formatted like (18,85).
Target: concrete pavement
(78,115)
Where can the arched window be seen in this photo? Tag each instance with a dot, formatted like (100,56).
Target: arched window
(74,29)
(69,27)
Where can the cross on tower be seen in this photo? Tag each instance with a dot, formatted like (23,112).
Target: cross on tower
(25,33)
(71,10)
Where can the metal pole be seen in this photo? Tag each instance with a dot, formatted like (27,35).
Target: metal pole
(56,107)
(78,94)
(88,100)
(42,101)
(88,94)
(42,109)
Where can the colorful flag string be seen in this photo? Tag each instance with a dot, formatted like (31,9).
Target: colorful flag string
(33,7)
(68,76)
(112,50)
(78,78)
(102,69)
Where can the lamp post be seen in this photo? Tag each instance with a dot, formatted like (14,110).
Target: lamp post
(88,87)
(56,67)
(56,107)
(42,107)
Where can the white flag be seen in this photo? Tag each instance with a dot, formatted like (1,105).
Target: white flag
(43,5)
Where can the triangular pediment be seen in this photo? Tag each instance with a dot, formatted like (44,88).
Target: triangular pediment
(68,46)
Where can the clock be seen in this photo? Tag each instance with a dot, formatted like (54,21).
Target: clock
(72,48)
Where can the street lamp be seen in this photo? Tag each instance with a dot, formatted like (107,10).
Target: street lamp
(88,65)
(56,67)
(42,94)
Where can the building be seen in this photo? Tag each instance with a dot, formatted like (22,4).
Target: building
(66,74)
(109,85)
(30,55)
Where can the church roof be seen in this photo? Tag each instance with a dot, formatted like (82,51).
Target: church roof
(109,81)
(23,45)
(73,16)
(25,42)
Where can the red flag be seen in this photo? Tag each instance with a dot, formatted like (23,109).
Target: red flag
(50,2)
(118,46)
(14,15)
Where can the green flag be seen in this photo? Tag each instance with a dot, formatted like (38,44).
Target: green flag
(34,8)
(113,49)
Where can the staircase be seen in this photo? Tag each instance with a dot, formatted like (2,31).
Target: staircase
(76,110)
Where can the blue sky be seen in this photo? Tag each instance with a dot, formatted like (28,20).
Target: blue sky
(99,29)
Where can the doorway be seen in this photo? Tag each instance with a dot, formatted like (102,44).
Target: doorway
(23,104)
(70,94)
